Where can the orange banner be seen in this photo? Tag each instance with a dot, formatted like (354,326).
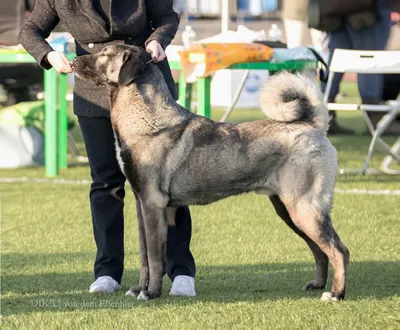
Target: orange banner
(202,60)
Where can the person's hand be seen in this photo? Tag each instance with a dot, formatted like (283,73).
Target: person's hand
(59,61)
(156,51)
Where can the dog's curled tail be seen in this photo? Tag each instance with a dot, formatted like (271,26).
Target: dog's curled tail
(290,97)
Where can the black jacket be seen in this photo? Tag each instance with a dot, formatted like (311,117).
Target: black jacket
(134,22)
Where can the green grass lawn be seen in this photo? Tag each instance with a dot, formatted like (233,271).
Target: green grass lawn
(251,267)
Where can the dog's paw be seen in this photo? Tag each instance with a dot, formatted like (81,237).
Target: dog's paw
(147,295)
(313,285)
(134,292)
(142,296)
(328,296)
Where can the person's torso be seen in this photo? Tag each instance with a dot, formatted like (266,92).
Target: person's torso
(103,20)
(103,7)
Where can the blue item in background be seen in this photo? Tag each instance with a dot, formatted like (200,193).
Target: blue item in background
(270,5)
(62,42)
(292,54)
(257,7)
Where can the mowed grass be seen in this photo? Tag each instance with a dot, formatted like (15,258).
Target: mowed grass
(250,265)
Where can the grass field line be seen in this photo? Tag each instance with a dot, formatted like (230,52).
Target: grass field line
(38,180)
(355,191)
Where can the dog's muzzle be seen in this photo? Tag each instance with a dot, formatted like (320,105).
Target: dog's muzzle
(77,64)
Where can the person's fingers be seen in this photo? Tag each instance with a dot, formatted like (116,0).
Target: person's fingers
(156,51)
(148,48)
(154,54)
(59,61)
(64,58)
(63,67)
(151,50)
(161,55)
(66,68)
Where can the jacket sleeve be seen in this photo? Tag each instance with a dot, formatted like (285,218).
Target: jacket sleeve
(164,20)
(37,28)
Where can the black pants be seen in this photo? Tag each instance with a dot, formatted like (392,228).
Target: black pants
(106,200)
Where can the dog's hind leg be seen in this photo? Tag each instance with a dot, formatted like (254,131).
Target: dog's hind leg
(312,218)
(321,259)
(144,263)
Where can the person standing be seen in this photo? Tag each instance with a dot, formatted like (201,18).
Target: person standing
(360,25)
(94,24)
(295,15)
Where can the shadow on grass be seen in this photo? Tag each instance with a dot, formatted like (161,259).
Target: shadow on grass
(55,292)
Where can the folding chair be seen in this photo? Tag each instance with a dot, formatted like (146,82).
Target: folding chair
(369,62)
(387,161)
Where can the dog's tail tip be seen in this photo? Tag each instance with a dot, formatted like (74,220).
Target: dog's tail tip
(290,97)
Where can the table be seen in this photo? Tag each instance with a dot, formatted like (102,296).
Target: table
(56,117)
(203,84)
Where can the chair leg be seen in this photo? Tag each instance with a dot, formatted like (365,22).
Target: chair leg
(387,161)
(381,126)
(236,97)
(72,145)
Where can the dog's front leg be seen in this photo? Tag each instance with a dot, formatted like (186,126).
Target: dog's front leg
(155,226)
(144,263)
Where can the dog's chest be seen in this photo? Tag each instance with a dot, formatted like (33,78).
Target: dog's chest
(137,155)
(118,152)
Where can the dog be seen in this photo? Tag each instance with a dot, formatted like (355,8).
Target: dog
(172,157)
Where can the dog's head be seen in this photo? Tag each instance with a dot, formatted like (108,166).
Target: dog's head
(115,65)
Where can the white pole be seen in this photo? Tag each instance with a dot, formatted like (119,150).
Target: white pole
(225,15)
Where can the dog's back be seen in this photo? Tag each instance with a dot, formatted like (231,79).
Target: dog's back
(230,159)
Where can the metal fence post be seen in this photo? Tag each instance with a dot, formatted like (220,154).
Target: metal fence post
(185,92)
(203,97)
(62,121)
(50,143)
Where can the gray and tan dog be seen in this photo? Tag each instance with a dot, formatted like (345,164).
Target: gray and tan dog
(173,157)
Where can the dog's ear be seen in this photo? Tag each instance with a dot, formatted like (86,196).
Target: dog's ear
(131,67)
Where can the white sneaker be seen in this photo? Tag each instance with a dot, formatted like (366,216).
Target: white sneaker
(183,286)
(104,284)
